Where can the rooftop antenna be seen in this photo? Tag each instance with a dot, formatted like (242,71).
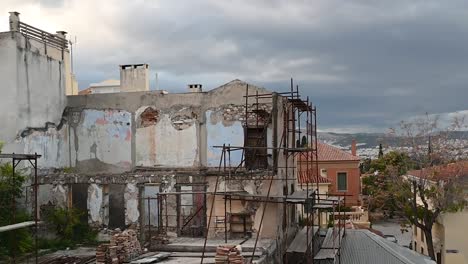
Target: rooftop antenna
(156,81)
(71,52)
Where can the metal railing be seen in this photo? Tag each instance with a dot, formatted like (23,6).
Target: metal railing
(43,36)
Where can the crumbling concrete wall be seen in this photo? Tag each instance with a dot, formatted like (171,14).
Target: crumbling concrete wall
(166,139)
(52,195)
(95,205)
(101,141)
(33,98)
(52,144)
(131,197)
(110,137)
(219,134)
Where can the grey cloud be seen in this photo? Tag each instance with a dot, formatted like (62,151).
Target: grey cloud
(366,64)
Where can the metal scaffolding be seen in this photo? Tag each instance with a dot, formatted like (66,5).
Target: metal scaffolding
(272,163)
(11,202)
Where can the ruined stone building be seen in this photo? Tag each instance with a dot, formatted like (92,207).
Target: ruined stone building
(139,158)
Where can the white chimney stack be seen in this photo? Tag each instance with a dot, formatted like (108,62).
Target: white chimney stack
(134,78)
(195,88)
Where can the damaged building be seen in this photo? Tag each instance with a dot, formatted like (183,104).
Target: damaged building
(144,159)
(197,168)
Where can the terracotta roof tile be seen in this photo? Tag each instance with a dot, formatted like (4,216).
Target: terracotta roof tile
(304,177)
(443,172)
(327,152)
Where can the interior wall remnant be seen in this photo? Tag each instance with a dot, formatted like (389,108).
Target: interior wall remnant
(51,143)
(132,213)
(218,134)
(156,145)
(105,204)
(95,196)
(60,195)
(101,142)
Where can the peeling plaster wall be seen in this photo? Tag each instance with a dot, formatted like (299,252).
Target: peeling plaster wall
(52,194)
(170,142)
(132,213)
(95,205)
(101,141)
(219,134)
(33,94)
(51,144)
(177,133)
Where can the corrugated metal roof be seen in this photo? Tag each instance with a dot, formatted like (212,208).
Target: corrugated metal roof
(363,246)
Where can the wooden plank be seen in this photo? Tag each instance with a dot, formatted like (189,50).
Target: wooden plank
(299,244)
(152,259)
(332,238)
(326,254)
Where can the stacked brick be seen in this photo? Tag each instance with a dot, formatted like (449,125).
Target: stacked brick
(123,247)
(229,254)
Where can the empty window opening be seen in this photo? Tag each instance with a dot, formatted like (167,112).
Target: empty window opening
(256,157)
(116,206)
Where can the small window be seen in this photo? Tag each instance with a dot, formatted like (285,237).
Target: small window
(342,181)
(422,237)
(415,231)
(422,250)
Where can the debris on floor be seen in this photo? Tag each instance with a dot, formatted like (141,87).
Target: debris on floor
(160,239)
(123,247)
(151,258)
(229,254)
(67,260)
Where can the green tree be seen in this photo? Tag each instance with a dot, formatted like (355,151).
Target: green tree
(425,194)
(18,241)
(376,184)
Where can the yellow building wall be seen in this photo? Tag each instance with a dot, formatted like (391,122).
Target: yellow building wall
(456,237)
(449,233)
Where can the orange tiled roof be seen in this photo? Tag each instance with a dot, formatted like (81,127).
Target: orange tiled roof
(304,177)
(85,91)
(327,152)
(443,172)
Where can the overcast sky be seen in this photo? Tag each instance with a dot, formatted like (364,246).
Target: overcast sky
(365,64)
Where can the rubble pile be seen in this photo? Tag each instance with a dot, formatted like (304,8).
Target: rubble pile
(229,254)
(123,247)
(160,239)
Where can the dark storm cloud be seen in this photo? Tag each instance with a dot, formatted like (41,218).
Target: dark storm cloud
(366,64)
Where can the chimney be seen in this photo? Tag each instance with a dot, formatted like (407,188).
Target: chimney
(353,147)
(61,34)
(134,78)
(14,21)
(195,88)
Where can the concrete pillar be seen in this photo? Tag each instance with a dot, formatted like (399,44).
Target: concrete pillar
(14,21)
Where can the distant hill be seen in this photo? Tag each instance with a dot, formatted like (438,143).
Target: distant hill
(371,140)
(364,140)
